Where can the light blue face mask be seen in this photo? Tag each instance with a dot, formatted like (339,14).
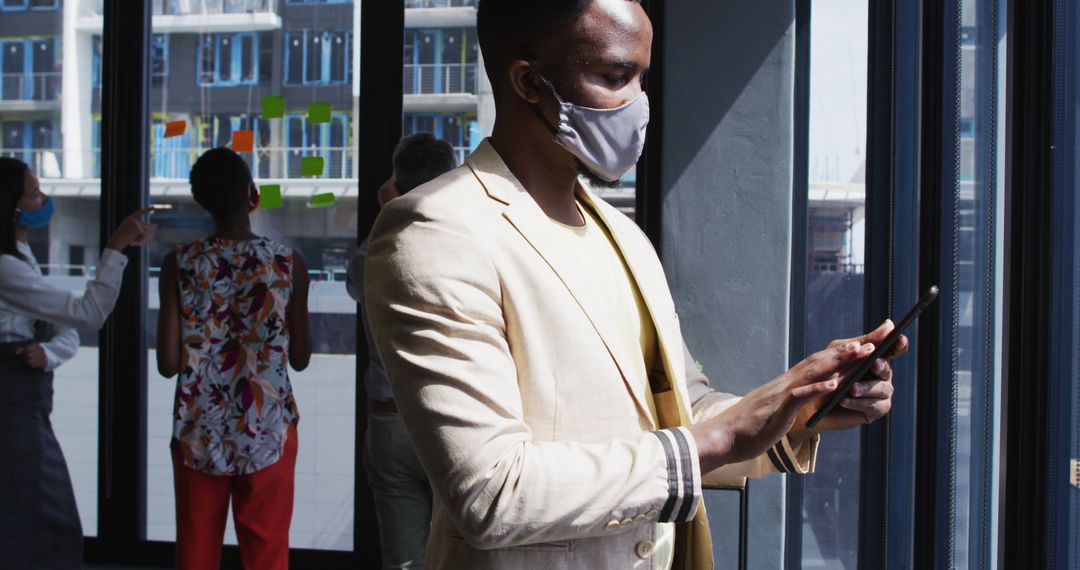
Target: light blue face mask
(608,142)
(38,218)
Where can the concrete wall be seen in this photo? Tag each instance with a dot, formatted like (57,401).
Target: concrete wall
(726,212)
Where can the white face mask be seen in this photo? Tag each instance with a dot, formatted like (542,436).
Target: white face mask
(608,142)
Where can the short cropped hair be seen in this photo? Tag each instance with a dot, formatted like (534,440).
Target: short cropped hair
(220,181)
(421,158)
(509,30)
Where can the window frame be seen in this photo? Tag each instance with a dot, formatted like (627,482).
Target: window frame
(236,68)
(27,7)
(159,51)
(316,2)
(29,59)
(326,57)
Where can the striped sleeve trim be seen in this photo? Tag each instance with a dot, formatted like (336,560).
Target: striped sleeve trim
(775,460)
(785,459)
(684,479)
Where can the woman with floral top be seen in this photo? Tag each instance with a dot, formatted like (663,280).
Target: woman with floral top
(233,319)
(39,521)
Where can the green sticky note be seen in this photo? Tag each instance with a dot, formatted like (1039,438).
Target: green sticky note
(273,107)
(312,166)
(318,113)
(270,196)
(322,200)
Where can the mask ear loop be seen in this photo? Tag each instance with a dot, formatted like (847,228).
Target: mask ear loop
(536,106)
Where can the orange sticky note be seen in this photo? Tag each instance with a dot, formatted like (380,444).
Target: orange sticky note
(243,141)
(175,128)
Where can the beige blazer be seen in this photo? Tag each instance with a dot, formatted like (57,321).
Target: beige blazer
(524,411)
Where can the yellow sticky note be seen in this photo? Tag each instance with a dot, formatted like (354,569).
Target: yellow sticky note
(312,166)
(243,141)
(270,196)
(322,200)
(175,128)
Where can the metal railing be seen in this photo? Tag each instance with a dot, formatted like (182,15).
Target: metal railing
(461,153)
(30,86)
(439,3)
(68,270)
(270,162)
(49,162)
(197,7)
(837,267)
(439,79)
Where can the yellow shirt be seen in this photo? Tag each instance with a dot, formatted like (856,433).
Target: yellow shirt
(599,258)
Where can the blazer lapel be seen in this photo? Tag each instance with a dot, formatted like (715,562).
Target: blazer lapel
(651,291)
(530,221)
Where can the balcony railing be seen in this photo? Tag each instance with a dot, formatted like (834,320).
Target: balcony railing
(439,79)
(39,86)
(265,162)
(49,162)
(440,3)
(198,7)
(175,163)
(837,267)
(462,152)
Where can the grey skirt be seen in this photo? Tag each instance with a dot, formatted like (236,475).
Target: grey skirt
(39,522)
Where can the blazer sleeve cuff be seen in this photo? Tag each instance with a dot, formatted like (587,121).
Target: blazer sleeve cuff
(683,475)
(788,460)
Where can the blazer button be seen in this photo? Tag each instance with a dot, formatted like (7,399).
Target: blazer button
(645,549)
(640,519)
(627,521)
(653,514)
(611,525)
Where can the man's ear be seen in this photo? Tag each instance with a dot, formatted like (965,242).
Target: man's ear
(525,82)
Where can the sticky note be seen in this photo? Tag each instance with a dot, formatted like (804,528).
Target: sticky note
(270,196)
(318,113)
(273,107)
(312,166)
(243,141)
(175,128)
(322,200)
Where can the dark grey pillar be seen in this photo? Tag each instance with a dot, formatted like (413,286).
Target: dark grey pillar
(726,213)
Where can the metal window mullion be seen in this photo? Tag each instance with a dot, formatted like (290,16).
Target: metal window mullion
(123,360)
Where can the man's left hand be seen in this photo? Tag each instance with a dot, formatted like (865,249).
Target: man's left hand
(868,401)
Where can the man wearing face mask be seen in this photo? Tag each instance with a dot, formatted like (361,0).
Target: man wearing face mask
(531,340)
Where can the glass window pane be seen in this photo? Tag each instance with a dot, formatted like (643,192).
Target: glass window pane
(239,65)
(836,244)
(973,316)
(247,58)
(314,55)
(224,58)
(1067,298)
(58,144)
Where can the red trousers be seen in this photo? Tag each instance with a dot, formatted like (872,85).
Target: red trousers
(262,505)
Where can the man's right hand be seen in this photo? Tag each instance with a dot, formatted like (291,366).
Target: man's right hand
(764,416)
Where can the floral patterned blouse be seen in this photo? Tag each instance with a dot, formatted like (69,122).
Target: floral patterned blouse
(234,403)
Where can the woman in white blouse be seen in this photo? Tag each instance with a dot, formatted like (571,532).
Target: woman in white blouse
(39,522)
